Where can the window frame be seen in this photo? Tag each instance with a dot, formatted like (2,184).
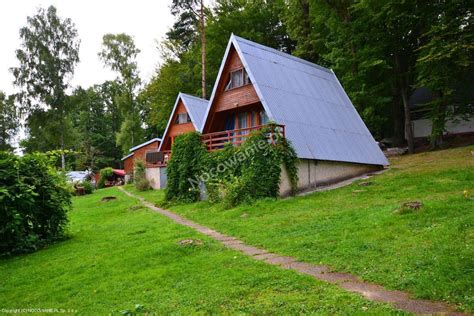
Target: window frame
(244,77)
(185,121)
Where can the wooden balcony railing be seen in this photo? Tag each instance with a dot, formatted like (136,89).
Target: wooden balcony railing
(217,140)
(158,158)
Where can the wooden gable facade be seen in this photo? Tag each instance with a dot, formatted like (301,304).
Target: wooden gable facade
(140,152)
(235,104)
(180,123)
(128,164)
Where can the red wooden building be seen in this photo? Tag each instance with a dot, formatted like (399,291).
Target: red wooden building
(187,116)
(140,152)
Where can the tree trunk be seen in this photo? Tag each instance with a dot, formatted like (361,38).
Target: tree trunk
(438,120)
(402,82)
(203,50)
(408,127)
(63,158)
(398,121)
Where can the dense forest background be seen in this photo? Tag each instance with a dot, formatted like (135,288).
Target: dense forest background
(381,51)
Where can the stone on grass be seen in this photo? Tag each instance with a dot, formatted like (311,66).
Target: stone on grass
(190,242)
(108,198)
(409,207)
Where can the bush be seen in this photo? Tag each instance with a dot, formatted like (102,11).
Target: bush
(188,159)
(104,175)
(233,175)
(88,187)
(34,201)
(139,171)
(252,170)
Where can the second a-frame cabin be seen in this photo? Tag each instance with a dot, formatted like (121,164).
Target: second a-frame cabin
(187,116)
(257,84)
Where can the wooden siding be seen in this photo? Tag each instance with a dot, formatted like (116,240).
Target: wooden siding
(128,165)
(140,153)
(176,129)
(233,99)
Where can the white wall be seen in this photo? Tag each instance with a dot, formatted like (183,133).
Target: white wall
(157,177)
(422,128)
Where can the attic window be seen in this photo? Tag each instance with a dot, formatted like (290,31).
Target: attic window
(237,79)
(182,118)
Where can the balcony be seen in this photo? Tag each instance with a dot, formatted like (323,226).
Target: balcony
(155,159)
(216,141)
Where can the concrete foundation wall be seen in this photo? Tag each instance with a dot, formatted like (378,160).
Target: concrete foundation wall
(313,173)
(157,177)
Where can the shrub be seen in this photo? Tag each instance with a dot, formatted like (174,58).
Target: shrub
(88,187)
(253,169)
(34,201)
(233,175)
(104,175)
(259,171)
(188,158)
(139,171)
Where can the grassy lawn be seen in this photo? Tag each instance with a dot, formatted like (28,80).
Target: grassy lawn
(119,255)
(429,253)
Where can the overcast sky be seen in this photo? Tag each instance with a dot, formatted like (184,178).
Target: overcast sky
(146,20)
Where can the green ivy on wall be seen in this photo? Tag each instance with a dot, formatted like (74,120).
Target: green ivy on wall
(188,159)
(232,175)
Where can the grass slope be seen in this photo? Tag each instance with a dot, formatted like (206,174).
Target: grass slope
(119,256)
(429,253)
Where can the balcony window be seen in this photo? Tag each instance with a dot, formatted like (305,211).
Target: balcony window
(237,79)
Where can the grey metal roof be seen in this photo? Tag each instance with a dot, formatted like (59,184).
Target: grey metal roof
(145,143)
(320,119)
(196,108)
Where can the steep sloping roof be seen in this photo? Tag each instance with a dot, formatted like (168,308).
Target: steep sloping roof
(319,118)
(145,143)
(196,108)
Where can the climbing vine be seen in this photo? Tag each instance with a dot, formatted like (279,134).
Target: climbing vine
(188,159)
(232,175)
(251,171)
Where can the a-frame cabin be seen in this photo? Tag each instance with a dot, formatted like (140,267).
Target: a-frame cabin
(257,84)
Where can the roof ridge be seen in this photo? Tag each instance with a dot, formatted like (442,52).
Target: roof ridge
(286,55)
(194,97)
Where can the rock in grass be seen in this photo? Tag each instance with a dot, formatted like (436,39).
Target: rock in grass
(409,207)
(135,207)
(108,198)
(190,242)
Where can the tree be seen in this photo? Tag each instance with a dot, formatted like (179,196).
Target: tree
(446,60)
(335,34)
(181,71)
(43,127)
(9,121)
(47,57)
(93,119)
(119,53)
(191,18)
